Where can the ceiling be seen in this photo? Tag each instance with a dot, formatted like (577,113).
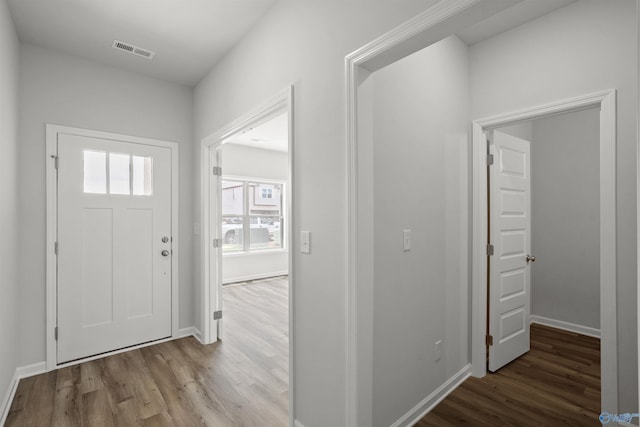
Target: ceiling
(270,135)
(509,18)
(188,36)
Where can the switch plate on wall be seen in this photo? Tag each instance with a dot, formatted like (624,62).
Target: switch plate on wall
(406,235)
(438,352)
(305,242)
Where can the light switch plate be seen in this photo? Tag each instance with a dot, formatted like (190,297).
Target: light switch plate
(305,242)
(406,236)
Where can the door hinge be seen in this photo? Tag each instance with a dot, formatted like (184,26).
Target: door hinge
(489,250)
(217,243)
(55,248)
(489,340)
(217,171)
(55,333)
(217,315)
(489,159)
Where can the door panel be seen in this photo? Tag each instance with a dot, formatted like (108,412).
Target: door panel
(114,208)
(510,233)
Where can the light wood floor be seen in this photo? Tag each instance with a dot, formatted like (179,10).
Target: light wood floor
(239,381)
(556,384)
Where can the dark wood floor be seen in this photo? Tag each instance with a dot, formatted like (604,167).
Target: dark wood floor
(239,381)
(556,384)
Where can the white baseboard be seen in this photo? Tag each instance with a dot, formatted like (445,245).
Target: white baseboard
(254,277)
(20,372)
(421,409)
(571,327)
(31,370)
(8,398)
(297,423)
(189,331)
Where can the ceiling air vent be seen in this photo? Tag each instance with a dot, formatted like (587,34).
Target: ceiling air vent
(134,50)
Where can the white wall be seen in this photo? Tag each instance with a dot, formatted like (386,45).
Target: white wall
(304,44)
(585,47)
(565,229)
(9,309)
(65,90)
(420,183)
(251,162)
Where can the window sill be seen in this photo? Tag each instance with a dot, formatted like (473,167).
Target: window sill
(249,253)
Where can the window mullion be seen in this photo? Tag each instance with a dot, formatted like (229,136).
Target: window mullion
(246,222)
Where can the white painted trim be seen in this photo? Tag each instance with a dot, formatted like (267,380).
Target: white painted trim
(638,196)
(5,405)
(256,276)
(282,101)
(188,332)
(52,132)
(606,100)
(566,326)
(416,413)
(443,19)
(31,370)
(20,373)
(297,423)
(254,253)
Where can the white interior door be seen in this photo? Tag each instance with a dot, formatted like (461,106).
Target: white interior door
(114,245)
(510,234)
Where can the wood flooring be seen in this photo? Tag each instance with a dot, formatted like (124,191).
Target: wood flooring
(239,381)
(557,383)
(243,380)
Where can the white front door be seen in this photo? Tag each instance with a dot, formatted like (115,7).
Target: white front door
(114,245)
(510,235)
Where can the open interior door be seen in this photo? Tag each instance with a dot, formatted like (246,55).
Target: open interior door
(510,235)
(215,254)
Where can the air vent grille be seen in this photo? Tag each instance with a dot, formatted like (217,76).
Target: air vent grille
(134,50)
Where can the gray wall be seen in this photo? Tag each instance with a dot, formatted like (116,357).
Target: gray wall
(585,47)
(9,196)
(65,90)
(304,44)
(420,112)
(565,229)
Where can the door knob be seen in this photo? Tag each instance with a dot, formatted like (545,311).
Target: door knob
(165,253)
(531,258)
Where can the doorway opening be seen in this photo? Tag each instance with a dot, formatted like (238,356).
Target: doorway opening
(246,246)
(606,283)
(112,205)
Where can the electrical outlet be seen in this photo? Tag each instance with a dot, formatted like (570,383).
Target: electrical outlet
(438,350)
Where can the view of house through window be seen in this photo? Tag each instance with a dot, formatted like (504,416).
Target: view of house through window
(251,215)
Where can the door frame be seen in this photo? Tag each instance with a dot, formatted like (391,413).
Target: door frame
(51,282)
(606,101)
(211,282)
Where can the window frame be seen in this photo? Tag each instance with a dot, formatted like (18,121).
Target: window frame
(246,216)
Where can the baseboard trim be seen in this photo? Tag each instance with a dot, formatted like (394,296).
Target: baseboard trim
(571,327)
(297,423)
(31,370)
(421,409)
(20,373)
(189,331)
(254,277)
(8,398)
